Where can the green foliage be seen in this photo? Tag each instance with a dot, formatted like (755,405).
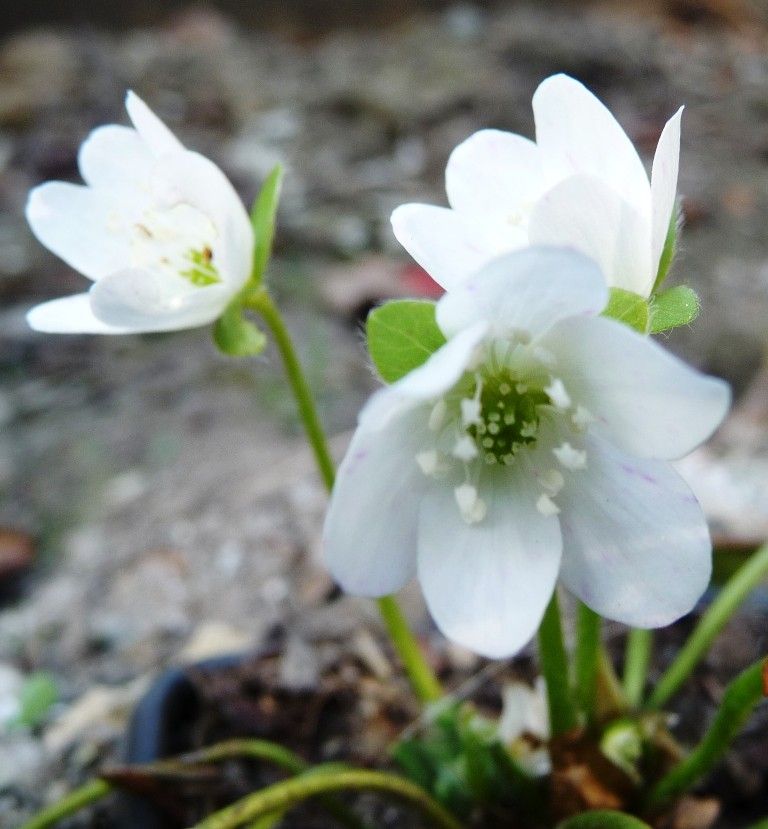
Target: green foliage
(462,763)
(668,252)
(263,216)
(629,308)
(603,819)
(237,336)
(38,694)
(671,309)
(402,335)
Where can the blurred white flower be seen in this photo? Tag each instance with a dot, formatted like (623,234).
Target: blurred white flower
(524,725)
(581,184)
(531,446)
(158,228)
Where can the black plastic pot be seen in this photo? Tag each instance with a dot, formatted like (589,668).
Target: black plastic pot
(157,724)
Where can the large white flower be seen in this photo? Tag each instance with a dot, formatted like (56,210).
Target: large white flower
(581,184)
(158,228)
(532,445)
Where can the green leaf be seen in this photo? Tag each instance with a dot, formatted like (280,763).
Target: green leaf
(629,308)
(668,252)
(677,306)
(263,215)
(237,336)
(38,694)
(402,335)
(602,819)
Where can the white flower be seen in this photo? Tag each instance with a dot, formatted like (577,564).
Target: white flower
(582,185)
(158,228)
(574,416)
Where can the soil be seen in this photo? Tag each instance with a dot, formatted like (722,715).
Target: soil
(173,509)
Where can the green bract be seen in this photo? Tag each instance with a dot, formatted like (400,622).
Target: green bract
(263,214)
(629,308)
(237,336)
(402,335)
(671,309)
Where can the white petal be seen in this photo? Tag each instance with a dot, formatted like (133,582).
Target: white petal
(115,157)
(487,584)
(427,382)
(152,130)
(369,540)
(74,222)
(635,542)
(643,398)
(139,300)
(528,290)
(441,241)
(494,174)
(577,134)
(584,213)
(69,315)
(664,183)
(190,178)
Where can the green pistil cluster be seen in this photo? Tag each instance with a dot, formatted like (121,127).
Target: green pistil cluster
(509,418)
(203,272)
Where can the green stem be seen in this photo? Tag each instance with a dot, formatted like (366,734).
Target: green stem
(740,697)
(610,693)
(554,668)
(422,677)
(588,625)
(252,749)
(288,793)
(736,589)
(637,658)
(74,802)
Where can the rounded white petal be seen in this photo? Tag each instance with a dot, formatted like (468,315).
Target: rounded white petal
(635,542)
(69,315)
(582,212)
(138,300)
(525,291)
(369,540)
(158,138)
(75,223)
(664,183)
(115,157)
(577,134)
(487,584)
(642,398)
(189,178)
(494,175)
(441,241)
(429,381)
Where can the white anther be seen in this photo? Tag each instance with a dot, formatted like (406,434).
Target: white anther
(505,388)
(569,457)
(521,388)
(494,428)
(557,394)
(465,449)
(470,411)
(437,415)
(546,506)
(509,418)
(473,509)
(528,430)
(552,481)
(582,417)
(428,461)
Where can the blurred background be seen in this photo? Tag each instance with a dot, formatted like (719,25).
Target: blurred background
(156,501)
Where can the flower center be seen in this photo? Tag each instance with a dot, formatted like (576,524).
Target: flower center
(508,417)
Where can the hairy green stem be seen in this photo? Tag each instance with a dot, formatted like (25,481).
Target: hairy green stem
(736,589)
(289,793)
(588,625)
(637,658)
(553,661)
(73,802)
(421,676)
(740,698)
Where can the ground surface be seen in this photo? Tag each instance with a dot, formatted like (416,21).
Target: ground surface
(173,506)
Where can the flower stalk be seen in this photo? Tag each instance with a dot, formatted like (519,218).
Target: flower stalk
(588,624)
(421,676)
(738,587)
(75,801)
(637,657)
(553,661)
